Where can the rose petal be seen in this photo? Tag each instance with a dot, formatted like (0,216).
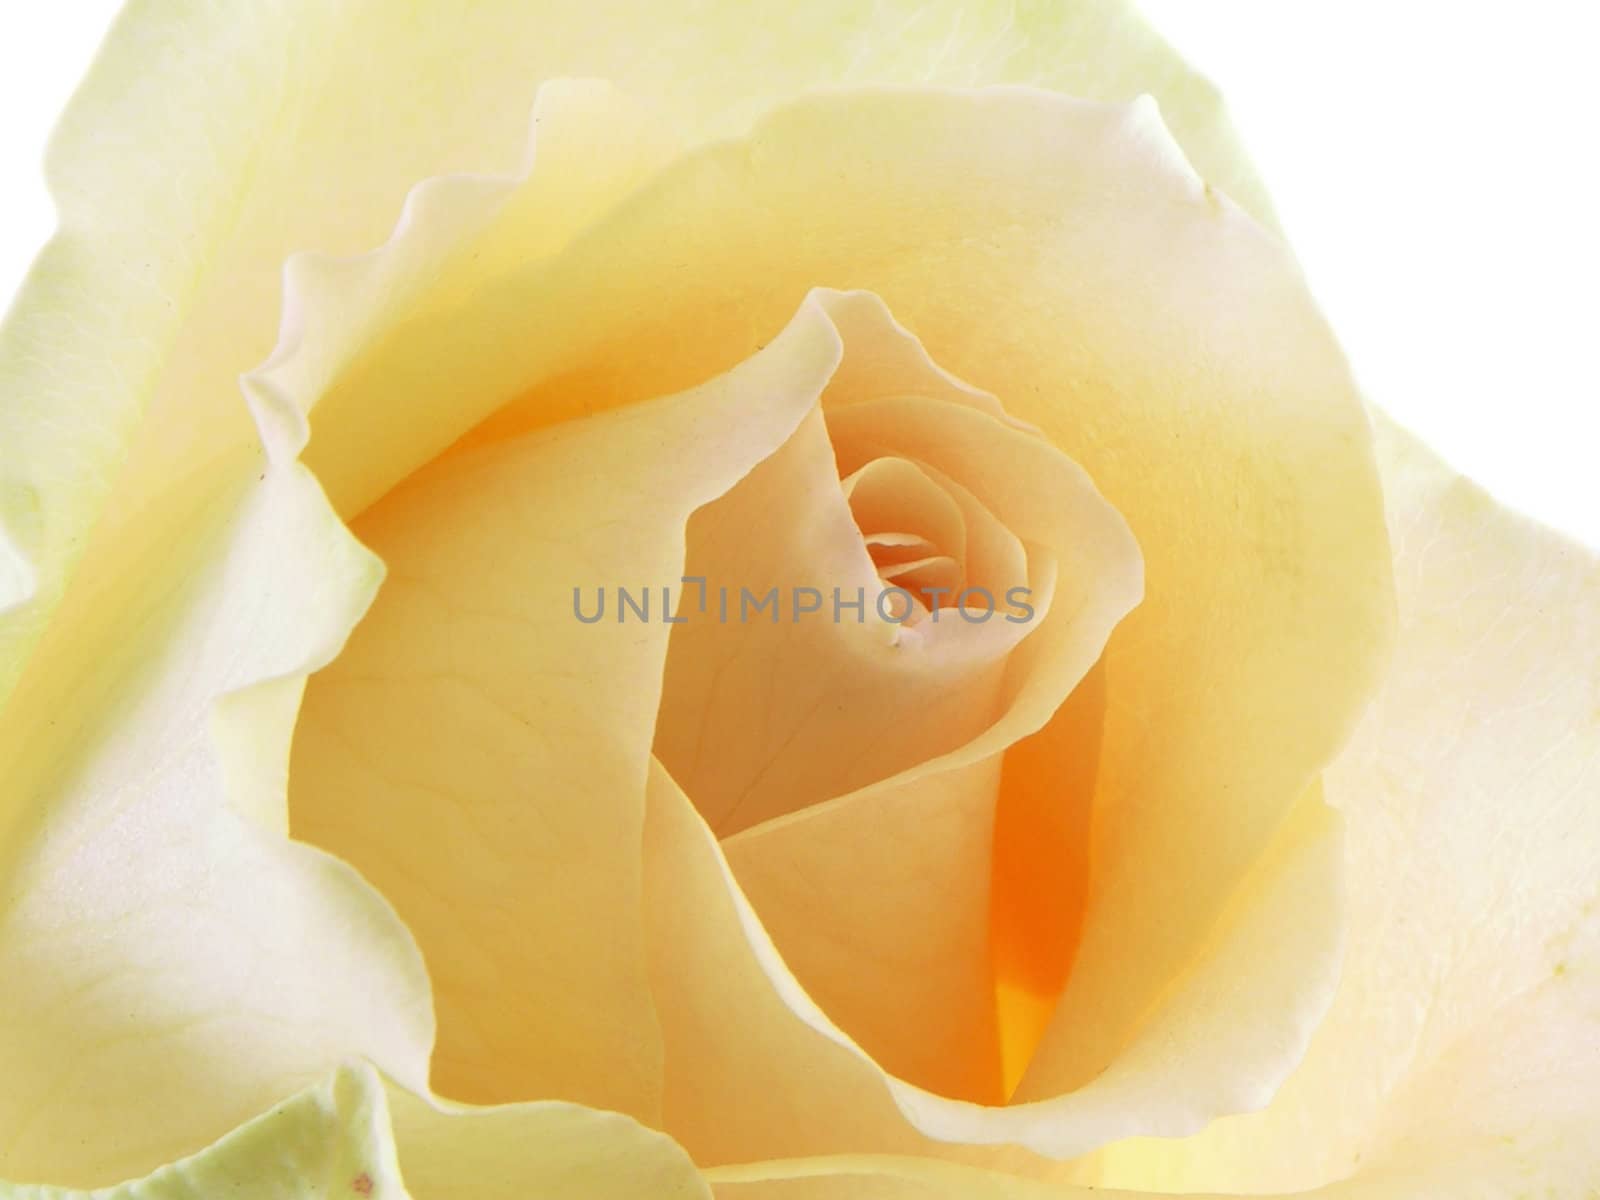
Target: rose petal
(1270,565)
(481,754)
(456,235)
(761,717)
(839,756)
(1170,347)
(773,1076)
(515,1151)
(736,1020)
(172,963)
(1461,1054)
(329,1141)
(356,1137)
(763,713)
(184,186)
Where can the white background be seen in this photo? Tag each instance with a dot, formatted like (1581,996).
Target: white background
(1434,162)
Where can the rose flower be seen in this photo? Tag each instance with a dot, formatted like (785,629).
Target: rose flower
(826,622)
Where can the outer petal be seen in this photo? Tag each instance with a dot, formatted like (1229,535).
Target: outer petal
(520,1151)
(351,1137)
(211,142)
(173,964)
(1462,1055)
(329,1142)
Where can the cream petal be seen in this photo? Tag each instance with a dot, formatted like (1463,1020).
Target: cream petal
(1018,131)
(182,190)
(455,236)
(1462,1053)
(140,655)
(481,754)
(101,436)
(173,964)
(354,1135)
(329,1141)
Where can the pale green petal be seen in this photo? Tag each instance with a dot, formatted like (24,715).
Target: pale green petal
(354,1137)
(1461,1057)
(172,963)
(537,1150)
(210,142)
(329,1142)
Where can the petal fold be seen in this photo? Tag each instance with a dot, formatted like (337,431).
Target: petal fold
(758,1070)
(480,749)
(1462,1051)
(545,1148)
(173,964)
(328,1142)
(181,190)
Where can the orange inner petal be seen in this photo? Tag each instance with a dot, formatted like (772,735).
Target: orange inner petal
(1041,869)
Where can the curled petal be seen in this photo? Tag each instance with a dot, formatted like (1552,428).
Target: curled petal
(1461,1052)
(173,963)
(328,1142)
(355,1136)
(775,1077)
(480,749)
(182,190)
(544,1148)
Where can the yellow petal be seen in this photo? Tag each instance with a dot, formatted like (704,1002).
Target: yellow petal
(1271,561)
(590,146)
(815,741)
(765,1073)
(178,313)
(1169,345)
(774,1076)
(1462,1054)
(172,963)
(117,805)
(183,189)
(480,752)
(1243,460)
